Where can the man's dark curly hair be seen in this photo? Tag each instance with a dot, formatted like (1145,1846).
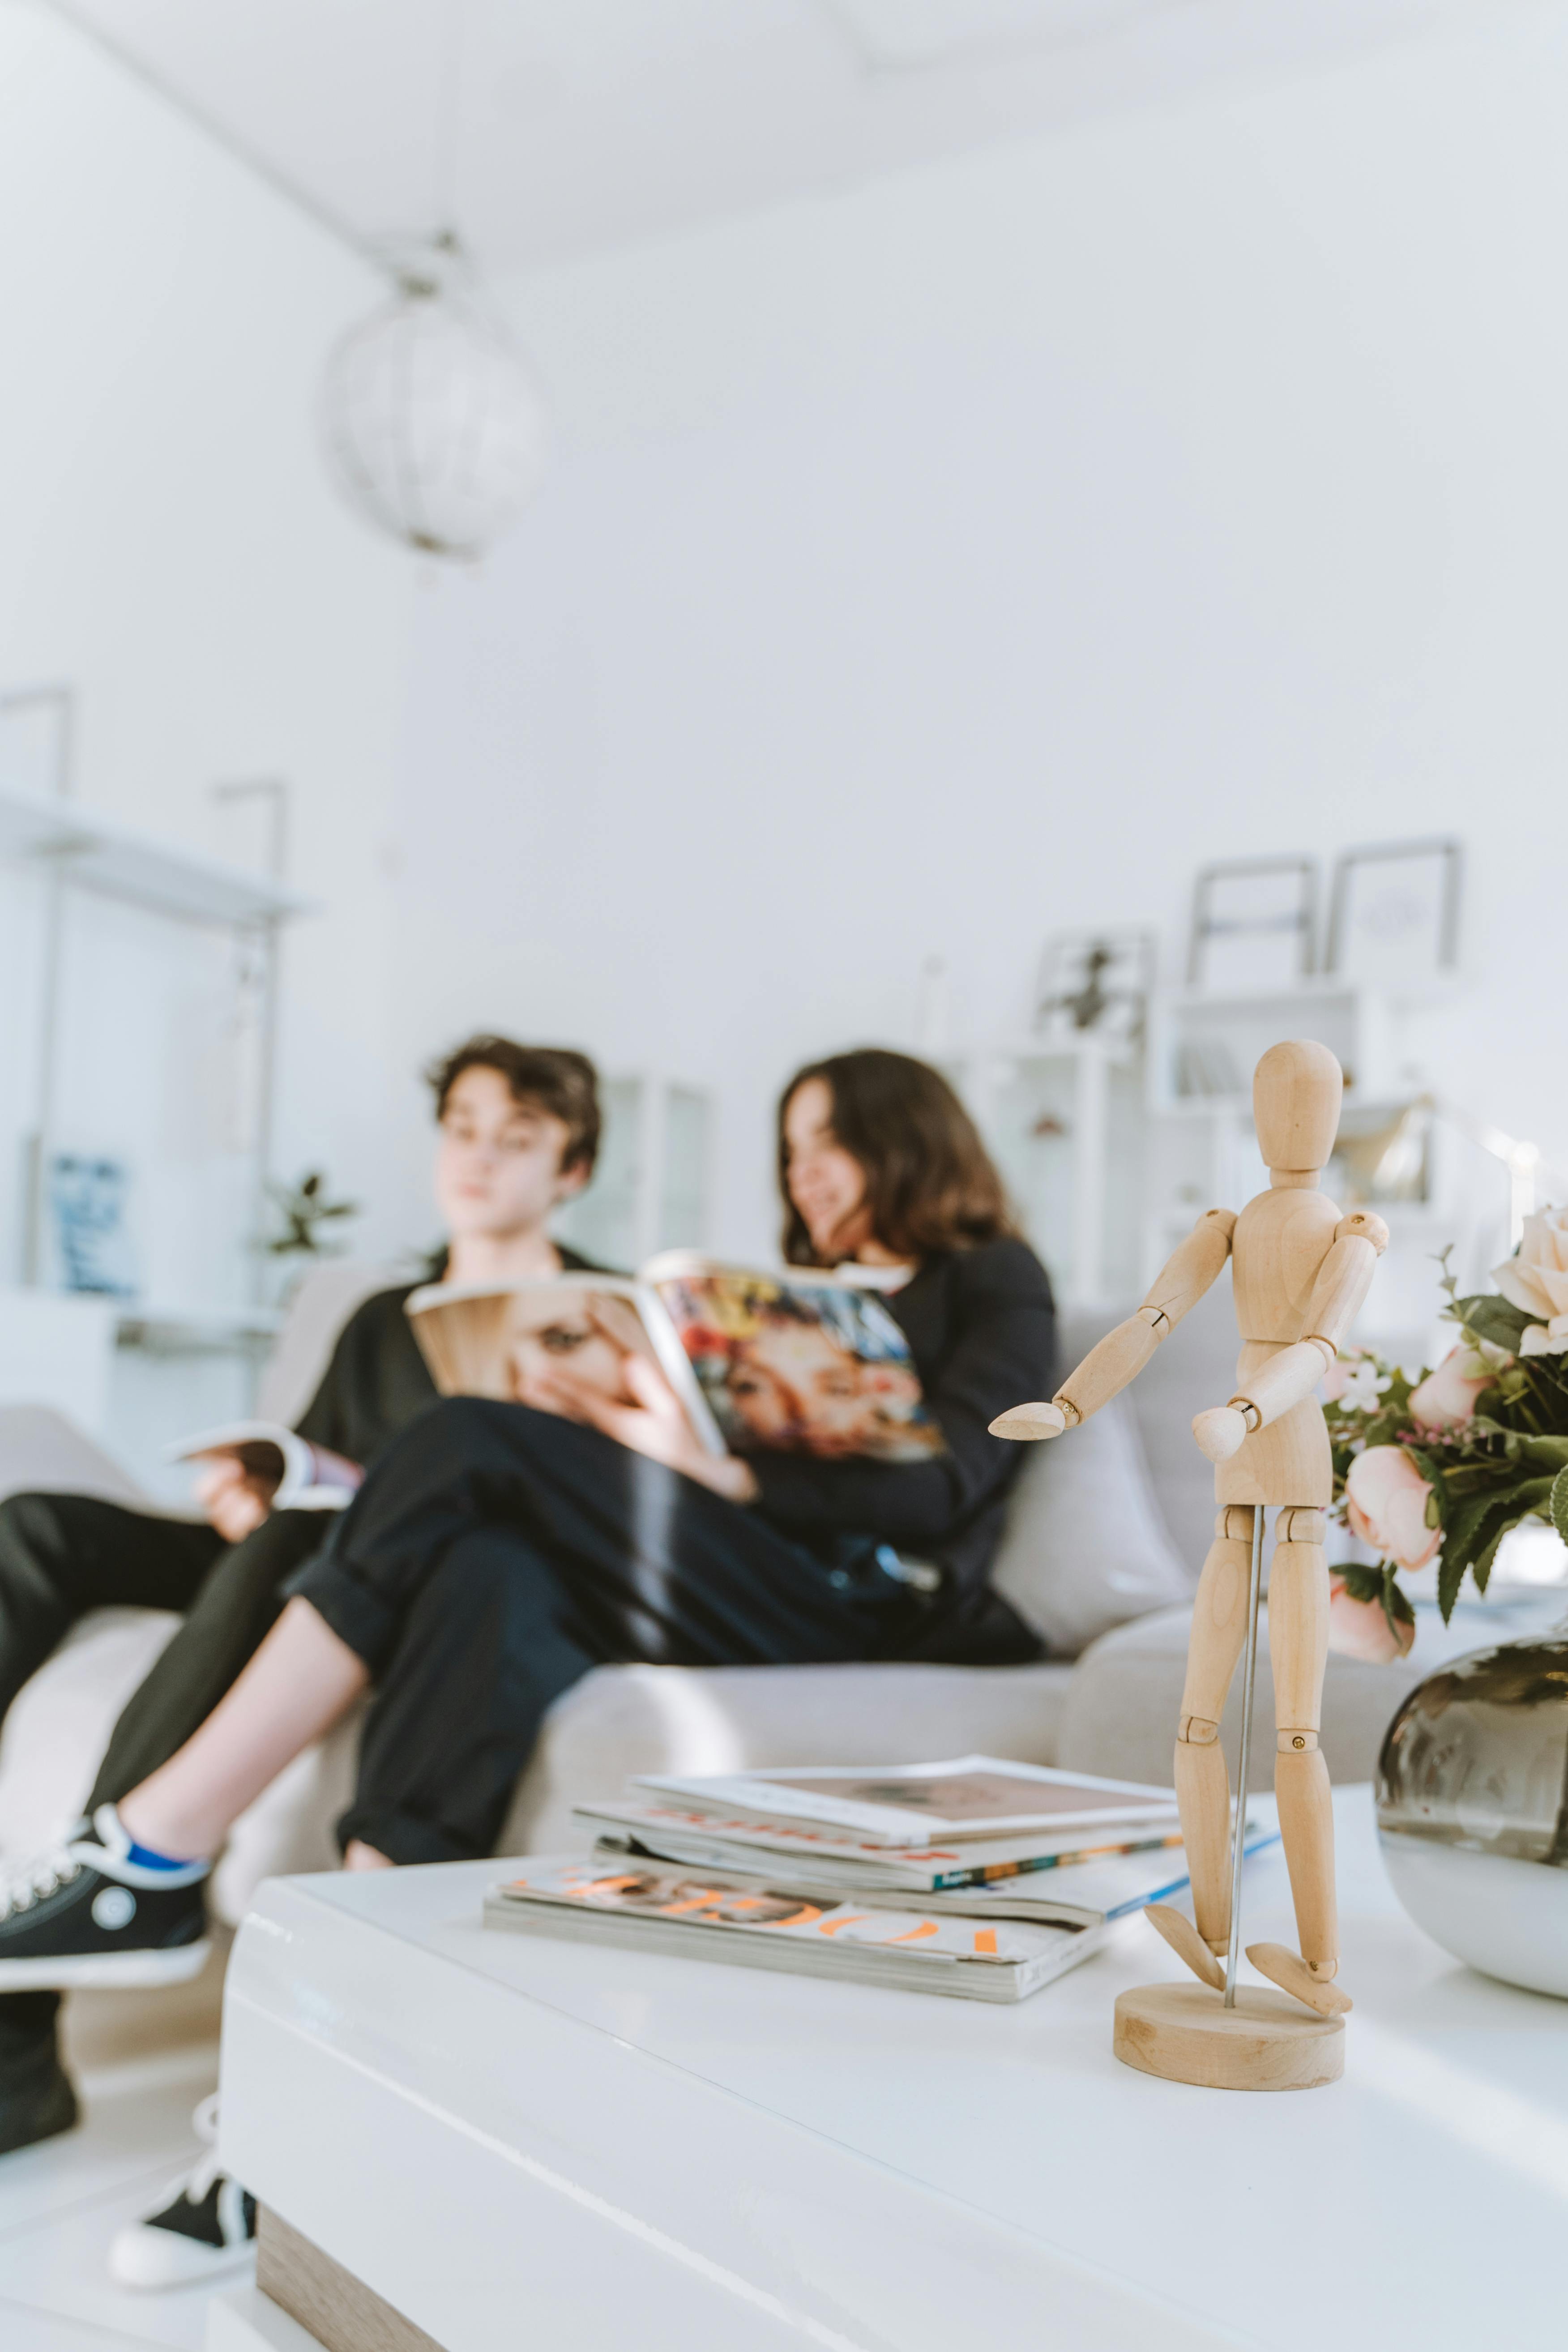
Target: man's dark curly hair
(551,1078)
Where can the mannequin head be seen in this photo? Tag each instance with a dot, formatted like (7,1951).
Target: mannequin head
(1296,1091)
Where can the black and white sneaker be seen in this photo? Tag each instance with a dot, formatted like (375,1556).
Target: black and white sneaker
(85,1914)
(207,2227)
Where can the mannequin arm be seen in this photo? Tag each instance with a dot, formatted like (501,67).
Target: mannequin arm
(1123,1353)
(1343,1279)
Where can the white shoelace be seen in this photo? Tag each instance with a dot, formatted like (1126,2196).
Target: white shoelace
(35,1878)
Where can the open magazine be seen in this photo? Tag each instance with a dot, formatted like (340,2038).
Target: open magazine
(793,1362)
(294,1474)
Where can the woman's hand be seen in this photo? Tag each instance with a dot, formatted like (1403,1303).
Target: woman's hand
(654,1425)
(235,1503)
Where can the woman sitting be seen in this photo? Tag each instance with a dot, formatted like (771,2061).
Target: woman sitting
(499,1551)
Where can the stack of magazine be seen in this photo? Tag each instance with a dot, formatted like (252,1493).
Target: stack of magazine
(928,1877)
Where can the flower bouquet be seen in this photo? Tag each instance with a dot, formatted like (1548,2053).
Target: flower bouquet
(1443,1468)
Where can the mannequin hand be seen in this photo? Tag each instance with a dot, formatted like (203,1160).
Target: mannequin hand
(655,1425)
(235,1503)
(1026,1420)
(1220,1432)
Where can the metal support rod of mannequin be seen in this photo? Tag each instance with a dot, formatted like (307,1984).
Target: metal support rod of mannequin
(1239,1835)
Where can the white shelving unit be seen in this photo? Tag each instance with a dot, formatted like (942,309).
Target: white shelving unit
(106,1001)
(1063,1117)
(651,1188)
(1203,1046)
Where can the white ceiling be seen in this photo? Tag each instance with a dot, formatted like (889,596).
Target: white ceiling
(549,128)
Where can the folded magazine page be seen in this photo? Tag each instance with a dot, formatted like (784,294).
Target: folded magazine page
(296,1474)
(795,1363)
(645,1907)
(481,1340)
(904,1804)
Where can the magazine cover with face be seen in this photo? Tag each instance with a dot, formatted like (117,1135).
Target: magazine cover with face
(793,1365)
(762,1362)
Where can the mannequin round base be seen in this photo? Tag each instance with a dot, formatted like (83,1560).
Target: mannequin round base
(1267,2042)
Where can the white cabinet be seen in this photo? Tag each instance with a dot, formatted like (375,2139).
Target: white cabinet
(651,1190)
(1063,1117)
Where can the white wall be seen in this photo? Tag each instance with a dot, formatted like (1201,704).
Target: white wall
(978,551)
(169,545)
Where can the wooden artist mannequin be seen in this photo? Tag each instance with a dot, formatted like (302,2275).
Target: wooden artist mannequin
(1300,1271)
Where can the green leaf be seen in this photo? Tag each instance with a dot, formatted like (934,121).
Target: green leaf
(1462,1539)
(1361,1583)
(1519,1508)
(1395,1604)
(1492,1317)
(1560,1504)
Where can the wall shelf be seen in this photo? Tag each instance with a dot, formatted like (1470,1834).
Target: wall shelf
(96,853)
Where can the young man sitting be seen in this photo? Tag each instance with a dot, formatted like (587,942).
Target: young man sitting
(519,1130)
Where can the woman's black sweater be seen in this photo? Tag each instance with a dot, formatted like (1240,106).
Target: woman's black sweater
(981,1326)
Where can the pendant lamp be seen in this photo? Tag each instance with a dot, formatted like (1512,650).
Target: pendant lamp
(433,425)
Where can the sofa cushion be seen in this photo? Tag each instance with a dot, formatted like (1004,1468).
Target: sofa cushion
(1085,1546)
(1121,1709)
(58,1726)
(1194,1366)
(624,1720)
(43,1451)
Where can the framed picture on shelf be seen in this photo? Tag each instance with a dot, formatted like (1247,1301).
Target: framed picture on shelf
(1394,911)
(1097,980)
(88,1194)
(1255,924)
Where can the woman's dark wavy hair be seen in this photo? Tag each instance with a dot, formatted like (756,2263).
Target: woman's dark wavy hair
(929,1183)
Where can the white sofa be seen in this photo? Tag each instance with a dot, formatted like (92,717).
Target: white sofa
(1104,1538)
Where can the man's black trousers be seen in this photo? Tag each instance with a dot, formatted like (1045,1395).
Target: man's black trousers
(62,1555)
(495,1554)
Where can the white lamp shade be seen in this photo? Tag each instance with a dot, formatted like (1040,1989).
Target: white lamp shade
(433,424)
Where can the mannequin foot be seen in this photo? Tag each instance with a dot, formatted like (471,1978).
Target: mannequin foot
(1186,1942)
(1294,1975)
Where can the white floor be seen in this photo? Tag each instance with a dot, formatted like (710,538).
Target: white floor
(141,2064)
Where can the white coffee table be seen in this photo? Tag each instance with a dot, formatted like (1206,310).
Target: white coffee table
(518,2142)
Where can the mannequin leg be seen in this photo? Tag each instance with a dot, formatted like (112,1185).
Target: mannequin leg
(1203,1788)
(1299,1645)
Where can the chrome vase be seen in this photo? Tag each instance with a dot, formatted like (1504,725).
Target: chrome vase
(1472,1809)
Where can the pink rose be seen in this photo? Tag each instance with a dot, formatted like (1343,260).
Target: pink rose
(1360,1629)
(1447,1396)
(1386,1499)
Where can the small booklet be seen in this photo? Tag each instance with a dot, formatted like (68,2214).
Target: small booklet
(671,1831)
(797,1361)
(906,1805)
(996,1957)
(296,1474)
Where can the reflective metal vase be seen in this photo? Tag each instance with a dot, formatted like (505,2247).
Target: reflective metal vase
(1472,1808)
